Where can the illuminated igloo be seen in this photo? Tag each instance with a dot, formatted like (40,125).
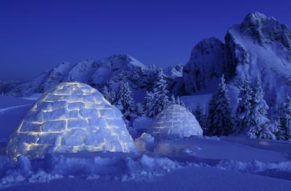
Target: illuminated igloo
(175,122)
(70,118)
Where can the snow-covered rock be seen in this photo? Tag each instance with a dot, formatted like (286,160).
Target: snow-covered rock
(175,121)
(205,66)
(145,142)
(70,118)
(174,71)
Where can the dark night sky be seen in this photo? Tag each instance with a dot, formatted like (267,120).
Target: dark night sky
(36,35)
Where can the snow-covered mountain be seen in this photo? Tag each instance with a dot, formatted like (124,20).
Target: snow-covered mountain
(97,73)
(259,47)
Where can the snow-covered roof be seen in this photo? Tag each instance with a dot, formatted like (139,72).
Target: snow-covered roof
(71,117)
(175,121)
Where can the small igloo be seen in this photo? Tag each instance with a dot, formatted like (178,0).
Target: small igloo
(70,118)
(175,122)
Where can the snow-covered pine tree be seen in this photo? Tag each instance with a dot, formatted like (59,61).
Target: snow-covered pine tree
(176,100)
(201,117)
(158,98)
(260,126)
(173,99)
(106,93)
(219,120)
(125,101)
(109,93)
(284,121)
(148,104)
(243,111)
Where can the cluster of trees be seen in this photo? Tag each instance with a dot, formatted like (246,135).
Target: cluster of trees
(250,117)
(154,102)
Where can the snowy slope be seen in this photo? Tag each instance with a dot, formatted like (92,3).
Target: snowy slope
(12,110)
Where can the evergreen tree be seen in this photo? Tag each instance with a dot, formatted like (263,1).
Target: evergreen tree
(201,117)
(243,111)
(148,104)
(109,93)
(173,99)
(260,126)
(284,122)
(125,101)
(176,100)
(219,121)
(157,99)
(106,93)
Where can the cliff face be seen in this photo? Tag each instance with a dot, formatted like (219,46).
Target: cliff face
(205,65)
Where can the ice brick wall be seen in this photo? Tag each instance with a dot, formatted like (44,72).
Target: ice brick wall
(175,121)
(72,117)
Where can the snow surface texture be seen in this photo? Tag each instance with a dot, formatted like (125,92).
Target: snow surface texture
(71,117)
(175,121)
(199,163)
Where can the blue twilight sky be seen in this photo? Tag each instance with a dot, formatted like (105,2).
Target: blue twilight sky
(38,34)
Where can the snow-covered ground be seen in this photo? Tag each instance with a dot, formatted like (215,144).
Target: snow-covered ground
(12,110)
(196,163)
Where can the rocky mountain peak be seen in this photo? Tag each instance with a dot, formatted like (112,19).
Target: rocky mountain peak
(205,46)
(266,29)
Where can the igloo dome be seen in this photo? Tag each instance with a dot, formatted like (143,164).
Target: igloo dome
(71,117)
(175,121)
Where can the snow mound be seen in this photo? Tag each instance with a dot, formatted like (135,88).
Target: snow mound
(175,121)
(71,117)
(145,142)
(111,166)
